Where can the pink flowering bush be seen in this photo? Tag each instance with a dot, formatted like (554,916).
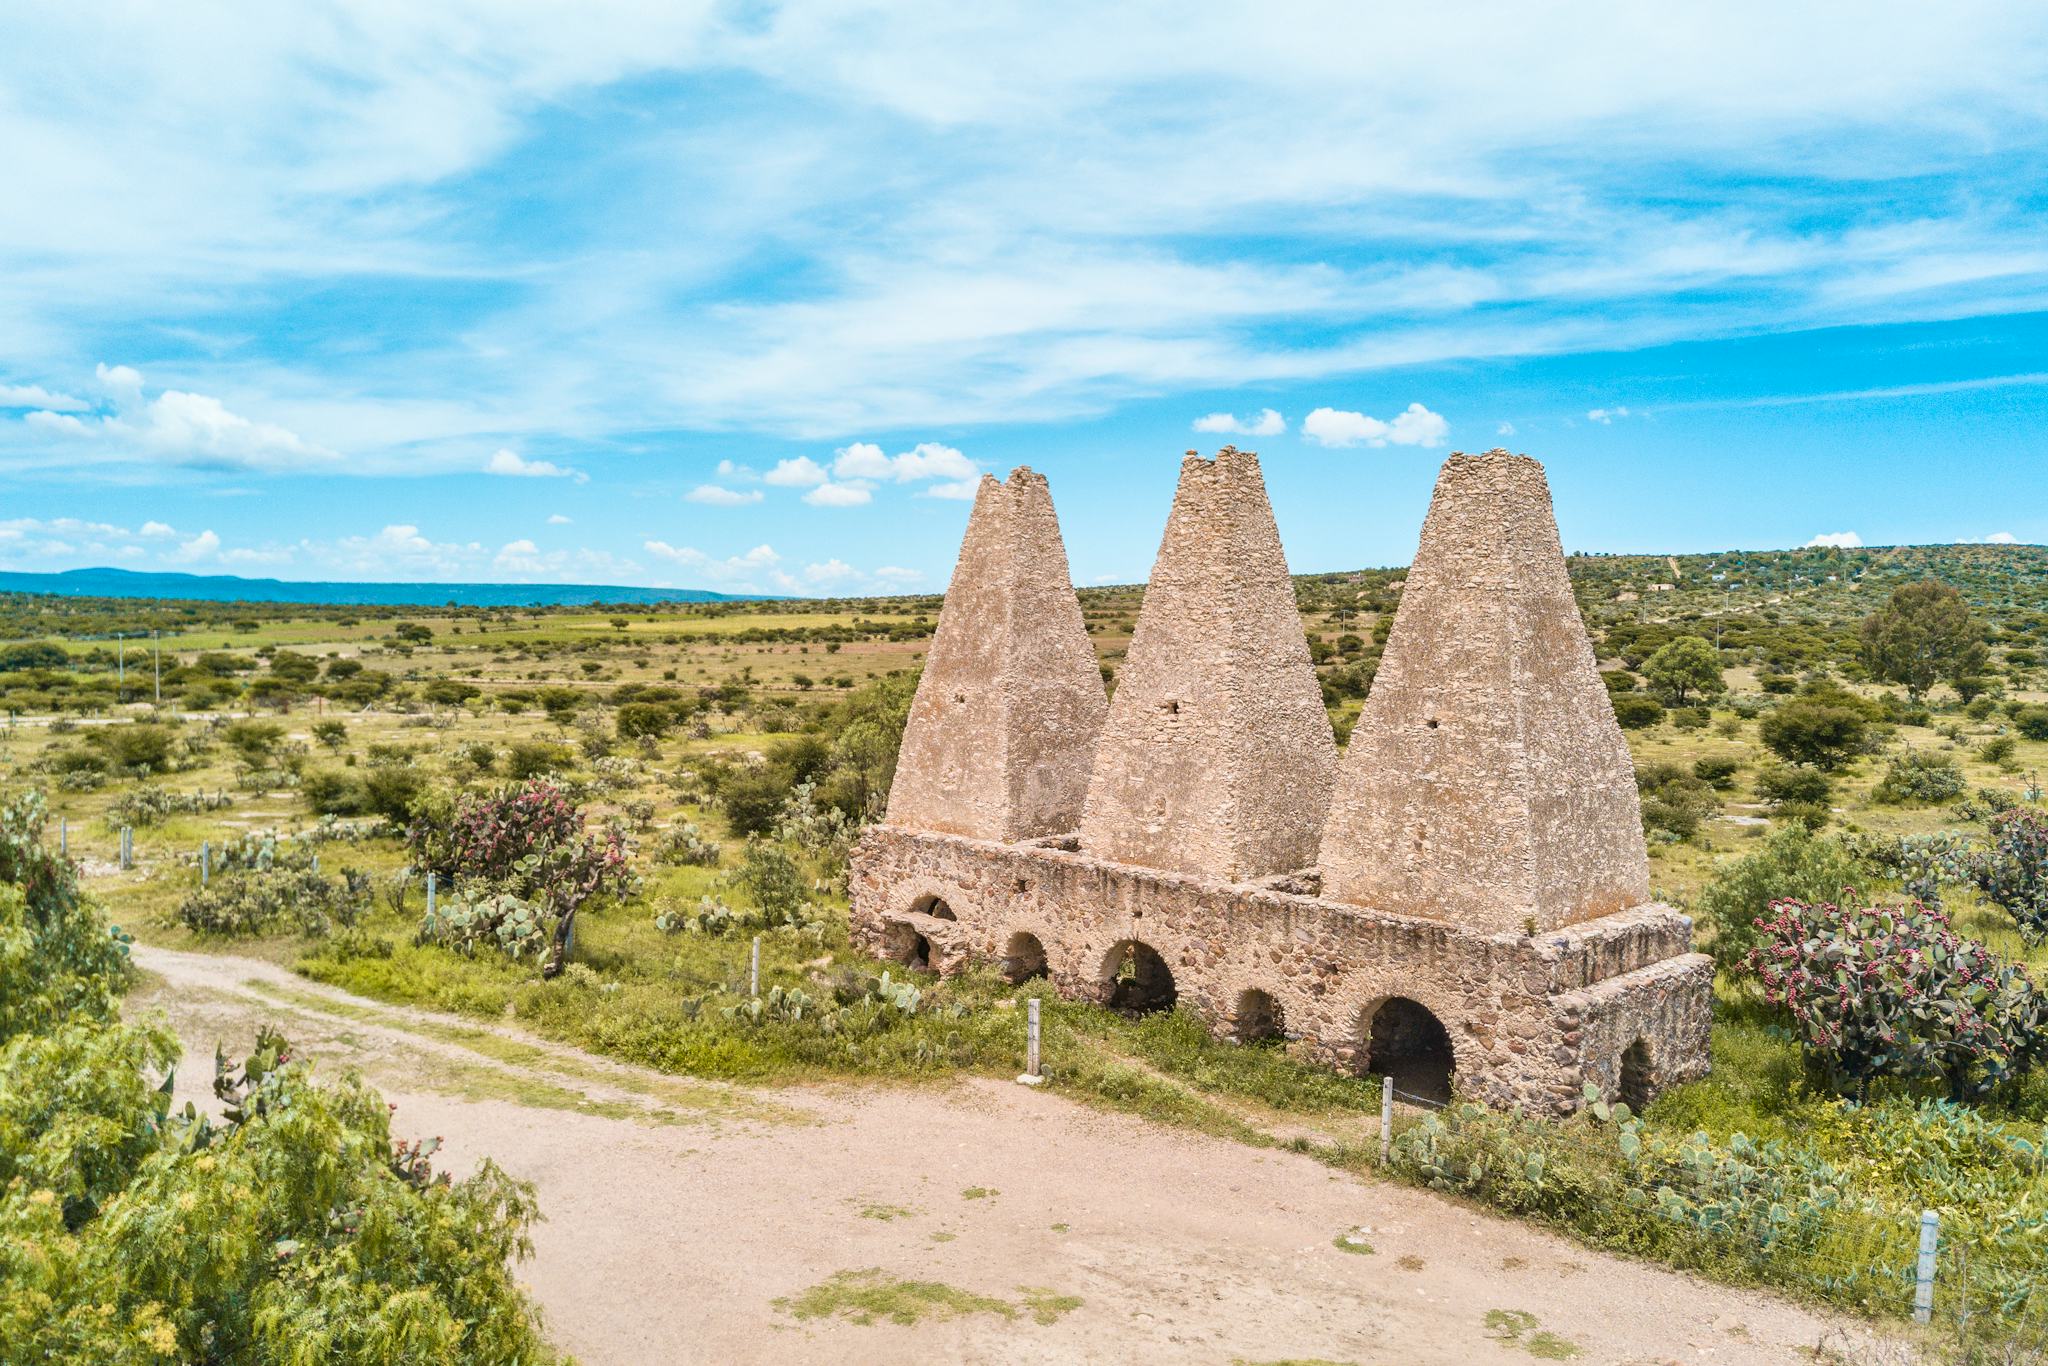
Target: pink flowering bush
(1894,992)
(528,842)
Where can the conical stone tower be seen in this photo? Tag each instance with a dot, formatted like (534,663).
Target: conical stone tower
(1217,756)
(1487,782)
(1004,724)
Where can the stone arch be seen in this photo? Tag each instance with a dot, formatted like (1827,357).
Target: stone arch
(933,905)
(1637,1076)
(1404,1039)
(1257,1017)
(904,943)
(1134,978)
(1024,958)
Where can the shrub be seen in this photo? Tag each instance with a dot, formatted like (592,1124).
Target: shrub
(1998,750)
(2031,722)
(1618,681)
(1716,771)
(334,792)
(330,732)
(1781,785)
(1674,801)
(2014,872)
(1816,733)
(139,747)
(1924,864)
(1918,777)
(772,881)
(247,901)
(1636,712)
(1793,863)
(394,791)
(537,759)
(295,1228)
(1892,992)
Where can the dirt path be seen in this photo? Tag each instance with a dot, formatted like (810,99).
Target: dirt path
(679,1213)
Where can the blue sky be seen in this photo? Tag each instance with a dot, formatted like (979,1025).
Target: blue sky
(745,297)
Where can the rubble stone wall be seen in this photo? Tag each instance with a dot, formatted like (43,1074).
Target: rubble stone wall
(1530,1018)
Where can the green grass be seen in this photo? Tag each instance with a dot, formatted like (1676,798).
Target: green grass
(873,1295)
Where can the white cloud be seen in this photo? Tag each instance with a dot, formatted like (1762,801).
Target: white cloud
(743,474)
(204,546)
(1839,540)
(158,529)
(1414,425)
(35,396)
(755,565)
(1267,423)
(897,574)
(176,427)
(1504,429)
(513,465)
(832,571)
(863,462)
(1605,416)
(802,472)
(712,495)
(557,519)
(2001,538)
(839,495)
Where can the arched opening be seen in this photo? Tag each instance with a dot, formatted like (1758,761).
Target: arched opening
(1404,1041)
(1257,1018)
(1024,959)
(935,907)
(1638,1081)
(1138,979)
(903,944)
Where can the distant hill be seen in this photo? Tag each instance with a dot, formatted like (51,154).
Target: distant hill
(124,583)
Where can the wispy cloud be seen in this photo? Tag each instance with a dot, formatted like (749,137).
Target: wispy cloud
(1267,423)
(509,463)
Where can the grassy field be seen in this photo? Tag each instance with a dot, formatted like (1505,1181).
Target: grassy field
(756,679)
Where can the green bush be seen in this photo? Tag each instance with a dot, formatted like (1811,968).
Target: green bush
(1793,863)
(296,1229)
(537,759)
(1918,777)
(1821,734)
(1674,802)
(335,792)
(1692,718)
(1998,750)
(246,901)
(394,791)
(1636,712)
(771,879)
(1716,771)
(2032,722)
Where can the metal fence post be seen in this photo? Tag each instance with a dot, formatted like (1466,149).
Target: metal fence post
(63,837)
(1386,1119)
(754,968)
(1923,1278)
(127,846)
(430,894)
(205,861)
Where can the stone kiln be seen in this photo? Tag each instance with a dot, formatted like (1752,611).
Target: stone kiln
(1463,896)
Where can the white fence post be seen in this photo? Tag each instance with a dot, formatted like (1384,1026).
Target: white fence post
(430,893)
(1033,1075)
(1386,1119)
(754,968)
(1923,1278)
(205,861)
(63,837)
(127,846)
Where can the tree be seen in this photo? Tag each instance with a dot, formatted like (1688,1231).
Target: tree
(1923,635)
(1688,665)
(1816,733)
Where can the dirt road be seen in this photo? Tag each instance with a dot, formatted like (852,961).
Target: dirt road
(693,1222)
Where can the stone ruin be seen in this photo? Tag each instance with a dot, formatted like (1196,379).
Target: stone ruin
(1461,899)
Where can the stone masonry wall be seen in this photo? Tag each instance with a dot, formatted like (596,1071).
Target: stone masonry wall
(1487,782)
(1530,1018)
(1002,732)
(1217,755)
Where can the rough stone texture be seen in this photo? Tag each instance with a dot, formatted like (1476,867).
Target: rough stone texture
(1217,756)
(1487,782)
(1003,728)
(1530,1019)
(1483,863)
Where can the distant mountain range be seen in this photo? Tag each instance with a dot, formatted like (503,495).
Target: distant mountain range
(124,583)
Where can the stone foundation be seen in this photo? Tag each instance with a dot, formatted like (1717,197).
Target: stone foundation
(1619,1000)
